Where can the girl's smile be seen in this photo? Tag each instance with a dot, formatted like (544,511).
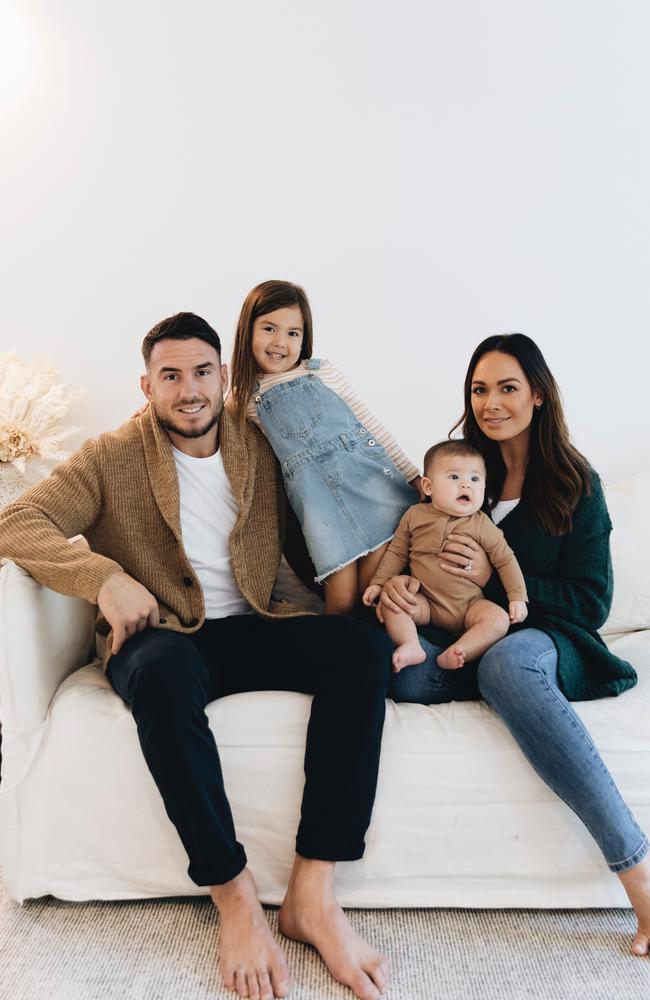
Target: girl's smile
(277,340)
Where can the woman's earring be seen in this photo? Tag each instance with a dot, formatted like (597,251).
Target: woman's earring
(538,406)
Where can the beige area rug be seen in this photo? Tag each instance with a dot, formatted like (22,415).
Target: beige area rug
(165,950)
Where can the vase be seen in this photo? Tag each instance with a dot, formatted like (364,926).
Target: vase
(12,484)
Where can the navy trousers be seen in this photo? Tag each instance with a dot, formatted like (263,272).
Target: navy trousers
(167,678)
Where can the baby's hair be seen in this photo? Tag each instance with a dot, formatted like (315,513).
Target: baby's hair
(263,299)
(459,448)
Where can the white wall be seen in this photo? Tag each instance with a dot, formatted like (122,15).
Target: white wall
(432,172)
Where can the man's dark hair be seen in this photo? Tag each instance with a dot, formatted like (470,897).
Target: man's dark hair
(181,326)
(459,448)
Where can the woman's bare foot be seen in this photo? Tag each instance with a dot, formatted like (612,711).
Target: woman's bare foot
(453,658)
(636,882)
(250,959)
(311,914)
(407,655)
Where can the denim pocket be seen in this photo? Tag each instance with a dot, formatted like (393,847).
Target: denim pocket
(294,408)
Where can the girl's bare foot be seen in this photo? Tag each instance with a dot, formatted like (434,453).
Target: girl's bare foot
(250,960)
(310,913)
(453,658)
(636,882)
(407,655)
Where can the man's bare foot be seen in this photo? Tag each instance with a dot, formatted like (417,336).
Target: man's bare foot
(407,655)
(453,658)
(636,882)
(310,913)
(250,960)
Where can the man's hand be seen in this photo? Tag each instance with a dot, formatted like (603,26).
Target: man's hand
(518,611)
(127,606)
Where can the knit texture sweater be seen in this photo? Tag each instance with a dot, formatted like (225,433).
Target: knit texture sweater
(121,492)
(570,584)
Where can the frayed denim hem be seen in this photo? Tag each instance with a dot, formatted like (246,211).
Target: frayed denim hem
(359,555)
(634,859)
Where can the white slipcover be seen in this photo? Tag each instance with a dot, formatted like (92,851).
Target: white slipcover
(460,819)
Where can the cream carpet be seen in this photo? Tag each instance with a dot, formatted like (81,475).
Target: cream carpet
(165,950)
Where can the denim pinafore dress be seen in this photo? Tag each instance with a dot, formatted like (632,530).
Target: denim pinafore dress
(346,491)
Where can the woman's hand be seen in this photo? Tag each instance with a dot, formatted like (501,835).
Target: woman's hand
(397,595)
(464,557)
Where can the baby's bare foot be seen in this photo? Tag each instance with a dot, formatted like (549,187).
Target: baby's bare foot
(250,960)
(407,655)
(453,658)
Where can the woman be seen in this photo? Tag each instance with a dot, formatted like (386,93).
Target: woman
(549,504)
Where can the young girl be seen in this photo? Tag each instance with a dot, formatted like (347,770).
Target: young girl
(345,477)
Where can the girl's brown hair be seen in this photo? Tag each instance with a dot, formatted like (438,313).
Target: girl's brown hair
(556,474)
(263,299)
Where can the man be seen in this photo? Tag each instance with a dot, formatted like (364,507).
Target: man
(183,516)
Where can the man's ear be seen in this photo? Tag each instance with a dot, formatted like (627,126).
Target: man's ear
(145,385)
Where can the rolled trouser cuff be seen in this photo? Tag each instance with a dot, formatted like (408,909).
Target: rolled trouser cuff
(217,871)
(333,849)
(632,861)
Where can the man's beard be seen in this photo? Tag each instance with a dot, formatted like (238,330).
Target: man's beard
(196,432)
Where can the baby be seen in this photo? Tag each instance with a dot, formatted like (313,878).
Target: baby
(455,480)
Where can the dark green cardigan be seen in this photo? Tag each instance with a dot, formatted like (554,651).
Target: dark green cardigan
(570,584)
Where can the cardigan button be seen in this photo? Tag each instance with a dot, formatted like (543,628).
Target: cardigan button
(188,581)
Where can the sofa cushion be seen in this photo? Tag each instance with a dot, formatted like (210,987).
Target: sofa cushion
(628,507)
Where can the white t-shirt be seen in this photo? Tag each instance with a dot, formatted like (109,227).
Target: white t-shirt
(208,515)
(501,508)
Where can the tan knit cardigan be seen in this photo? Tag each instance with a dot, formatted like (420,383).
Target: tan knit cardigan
(121,492)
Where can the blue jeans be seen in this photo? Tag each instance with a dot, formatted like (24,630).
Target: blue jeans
(517,677)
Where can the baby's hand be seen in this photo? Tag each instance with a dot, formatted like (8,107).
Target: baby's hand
(371,594)
(518,611)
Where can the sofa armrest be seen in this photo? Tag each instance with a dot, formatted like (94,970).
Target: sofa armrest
(44,637)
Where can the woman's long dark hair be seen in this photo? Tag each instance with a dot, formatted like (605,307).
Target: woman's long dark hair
(263,299)
(556,474)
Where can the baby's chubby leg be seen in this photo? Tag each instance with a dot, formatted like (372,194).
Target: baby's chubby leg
(402,630)
(485,624)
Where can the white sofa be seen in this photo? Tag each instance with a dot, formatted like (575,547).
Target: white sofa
(460,817)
